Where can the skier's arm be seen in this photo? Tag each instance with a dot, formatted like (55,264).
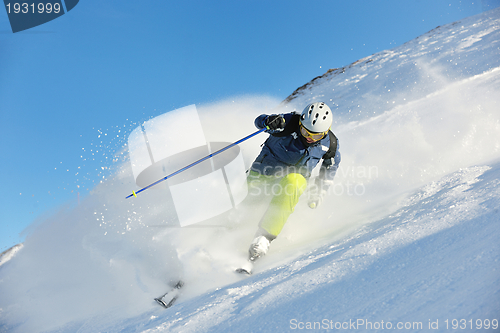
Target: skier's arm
(328,169)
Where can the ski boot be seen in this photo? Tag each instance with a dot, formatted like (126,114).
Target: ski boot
(258,249)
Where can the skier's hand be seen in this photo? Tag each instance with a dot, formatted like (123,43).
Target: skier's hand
(315,199)
(275,122)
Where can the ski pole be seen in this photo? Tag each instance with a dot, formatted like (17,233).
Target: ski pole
(134,194)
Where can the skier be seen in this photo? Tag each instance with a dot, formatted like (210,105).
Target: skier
(297,143)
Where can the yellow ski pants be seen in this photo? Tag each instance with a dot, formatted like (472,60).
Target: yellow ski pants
(285,193)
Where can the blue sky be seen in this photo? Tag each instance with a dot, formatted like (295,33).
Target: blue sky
(72,89)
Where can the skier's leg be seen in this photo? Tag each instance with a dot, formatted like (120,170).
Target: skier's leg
(258,193)
(283,203)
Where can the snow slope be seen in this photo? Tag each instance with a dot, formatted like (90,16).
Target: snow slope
(435,258)
(407,238)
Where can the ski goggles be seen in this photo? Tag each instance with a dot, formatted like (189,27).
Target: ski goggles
(314,136)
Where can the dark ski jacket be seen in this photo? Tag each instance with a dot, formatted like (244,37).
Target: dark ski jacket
(287,151)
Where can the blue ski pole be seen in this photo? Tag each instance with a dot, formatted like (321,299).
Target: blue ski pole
(134,194)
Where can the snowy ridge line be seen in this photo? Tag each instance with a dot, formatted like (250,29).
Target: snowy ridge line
(8,254)
(329,74)
(438,47)
(489,74)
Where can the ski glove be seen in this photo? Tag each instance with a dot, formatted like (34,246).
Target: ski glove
(275,122)
(315,200)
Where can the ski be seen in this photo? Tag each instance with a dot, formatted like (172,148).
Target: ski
(245,269)
(175,290)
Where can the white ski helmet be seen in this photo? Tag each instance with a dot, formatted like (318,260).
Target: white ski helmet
(317,117)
